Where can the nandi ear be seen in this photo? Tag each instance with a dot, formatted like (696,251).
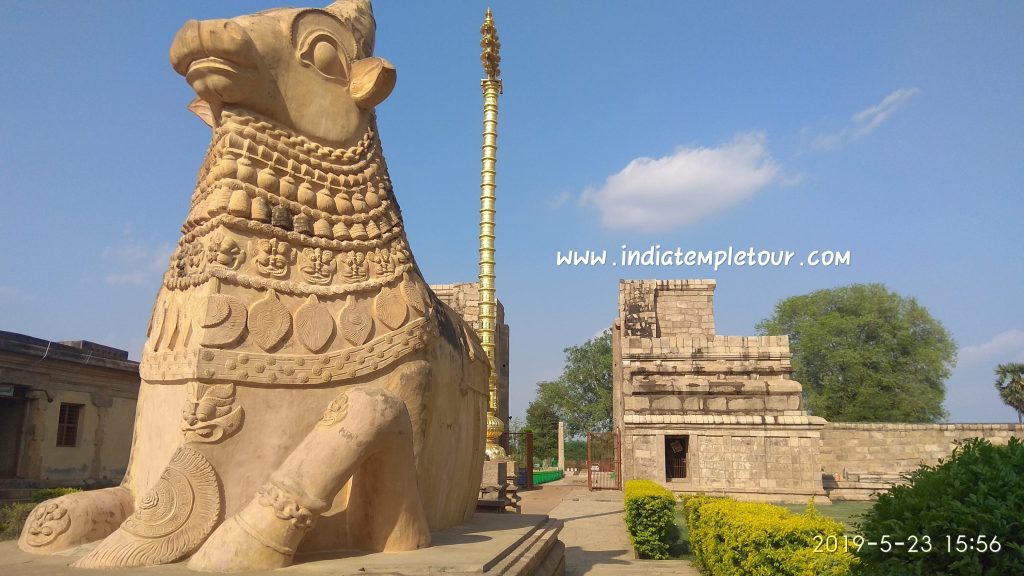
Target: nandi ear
(373,79)
(201,108)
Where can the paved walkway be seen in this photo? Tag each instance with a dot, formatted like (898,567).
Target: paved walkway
(595,538)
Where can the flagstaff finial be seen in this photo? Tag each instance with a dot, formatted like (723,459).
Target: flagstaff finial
(491,46)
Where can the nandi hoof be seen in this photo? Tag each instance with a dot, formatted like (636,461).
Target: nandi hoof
(75,519)
(263,536)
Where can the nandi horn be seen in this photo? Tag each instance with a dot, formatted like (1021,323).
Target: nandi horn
(358,16)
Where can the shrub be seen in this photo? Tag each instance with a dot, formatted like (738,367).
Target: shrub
(45,494)
(977,494)
(12,518)
(731,538)
(649,518)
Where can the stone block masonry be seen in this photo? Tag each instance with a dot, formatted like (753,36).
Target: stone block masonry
(858,460)
(464,298)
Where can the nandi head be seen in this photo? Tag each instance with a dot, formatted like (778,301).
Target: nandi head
(309,69)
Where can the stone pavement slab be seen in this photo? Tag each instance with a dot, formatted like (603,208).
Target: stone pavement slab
(594,532)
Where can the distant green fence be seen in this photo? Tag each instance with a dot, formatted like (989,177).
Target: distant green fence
(540,477)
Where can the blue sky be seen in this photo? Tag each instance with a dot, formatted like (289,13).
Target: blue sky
(889,130)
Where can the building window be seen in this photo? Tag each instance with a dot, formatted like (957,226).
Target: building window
(676,448)
(67,425)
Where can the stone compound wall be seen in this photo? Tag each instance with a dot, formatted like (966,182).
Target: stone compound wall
(858,460)
(464,298)
(730,397)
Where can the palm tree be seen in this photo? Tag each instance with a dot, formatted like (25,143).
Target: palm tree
(1010,383)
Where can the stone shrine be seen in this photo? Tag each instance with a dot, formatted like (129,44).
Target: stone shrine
(302,390)
(703,412)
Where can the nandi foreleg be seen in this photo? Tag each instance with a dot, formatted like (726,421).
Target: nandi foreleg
(365,433)
(74,519)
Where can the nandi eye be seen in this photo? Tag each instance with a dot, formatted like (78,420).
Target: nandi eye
(323,54)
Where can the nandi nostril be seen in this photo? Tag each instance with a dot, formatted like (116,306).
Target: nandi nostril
(234,30)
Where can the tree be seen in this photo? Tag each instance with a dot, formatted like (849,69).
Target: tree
(543,422)
(865,354)
(575,450)
(1010,383)
(581,397)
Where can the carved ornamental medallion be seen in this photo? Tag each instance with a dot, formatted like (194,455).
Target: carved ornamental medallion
(171,520)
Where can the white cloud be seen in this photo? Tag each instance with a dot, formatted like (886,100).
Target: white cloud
(136,263)
(559,200)
(866,121)
(1007,346)
(828,141)
(686,186)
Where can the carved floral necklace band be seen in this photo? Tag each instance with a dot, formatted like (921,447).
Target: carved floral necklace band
(276,213)
(332,204)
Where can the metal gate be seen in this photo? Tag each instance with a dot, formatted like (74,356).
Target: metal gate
(604,464)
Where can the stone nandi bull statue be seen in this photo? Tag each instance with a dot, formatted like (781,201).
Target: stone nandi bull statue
(302,389)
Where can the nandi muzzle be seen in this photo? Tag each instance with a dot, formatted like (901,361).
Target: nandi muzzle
(217,58)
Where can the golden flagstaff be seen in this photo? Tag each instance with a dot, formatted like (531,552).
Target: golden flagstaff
(491,86)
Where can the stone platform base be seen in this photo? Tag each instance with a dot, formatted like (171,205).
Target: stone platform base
(488,545)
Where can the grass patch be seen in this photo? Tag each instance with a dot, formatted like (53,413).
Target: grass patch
(679,536)
(849,512)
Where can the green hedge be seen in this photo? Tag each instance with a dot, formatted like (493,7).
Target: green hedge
(12,518)
(649,517)
(730,538)
(964,516)
(546,476)
(44,494)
